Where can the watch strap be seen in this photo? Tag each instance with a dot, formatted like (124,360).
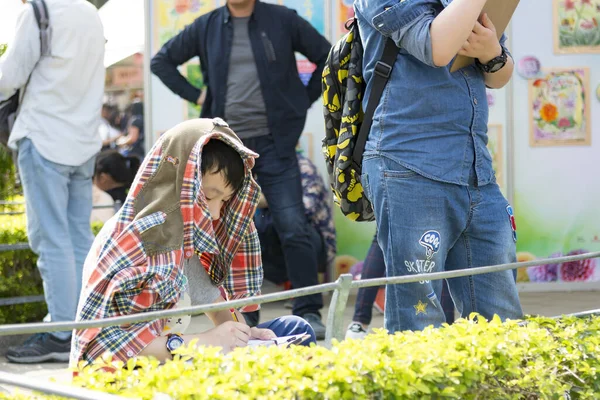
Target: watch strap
(489,66)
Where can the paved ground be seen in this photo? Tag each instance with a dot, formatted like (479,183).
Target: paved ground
(547,304)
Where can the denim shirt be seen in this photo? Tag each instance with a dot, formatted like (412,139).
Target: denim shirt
(429,119)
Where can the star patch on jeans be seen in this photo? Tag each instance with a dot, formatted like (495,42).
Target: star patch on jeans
(420,308)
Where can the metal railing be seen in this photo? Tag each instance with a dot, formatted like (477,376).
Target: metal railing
(9,301)
(21,212)
(334,325)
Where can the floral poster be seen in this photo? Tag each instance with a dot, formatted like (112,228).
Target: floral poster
(171,16)
(314,11)
(560,108)
(496,148)
(576,26)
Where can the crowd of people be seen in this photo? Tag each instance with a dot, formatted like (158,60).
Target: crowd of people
(122,135)
(205,215)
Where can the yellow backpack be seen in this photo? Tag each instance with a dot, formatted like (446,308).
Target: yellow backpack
(346,125)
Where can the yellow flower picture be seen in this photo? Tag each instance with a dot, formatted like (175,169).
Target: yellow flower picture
(576,26)
(560,108)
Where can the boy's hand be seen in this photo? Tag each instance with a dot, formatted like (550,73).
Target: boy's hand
(262,334)
(483,42)
(228,336)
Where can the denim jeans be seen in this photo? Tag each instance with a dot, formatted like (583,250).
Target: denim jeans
(374,267)
(290,325)
(58,202)
(427,226)
(279,178)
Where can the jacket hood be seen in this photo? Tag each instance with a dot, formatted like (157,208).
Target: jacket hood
(169,182)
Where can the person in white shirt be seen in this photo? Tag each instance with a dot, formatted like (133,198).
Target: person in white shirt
(56,135)
(108,133)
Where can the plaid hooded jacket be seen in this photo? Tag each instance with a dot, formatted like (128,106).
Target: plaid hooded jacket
(136,262)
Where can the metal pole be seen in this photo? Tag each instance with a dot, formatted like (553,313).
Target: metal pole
(149,316)
(18,329)
(582,314)
(149,129)
(337,306)
(510,133)
(71,392)
(468,271)
(14,246)
(9,301)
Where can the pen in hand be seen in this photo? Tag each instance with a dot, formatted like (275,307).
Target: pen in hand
(295,341)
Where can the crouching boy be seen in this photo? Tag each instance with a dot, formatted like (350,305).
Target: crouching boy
(184,231)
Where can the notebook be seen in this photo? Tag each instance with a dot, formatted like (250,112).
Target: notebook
(280,341)
(500,12)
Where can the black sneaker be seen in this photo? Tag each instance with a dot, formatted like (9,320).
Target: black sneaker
(41,347)
(315,321)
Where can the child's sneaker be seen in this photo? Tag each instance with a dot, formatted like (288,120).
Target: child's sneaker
(355,331)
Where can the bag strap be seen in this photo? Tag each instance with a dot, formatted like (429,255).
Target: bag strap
(43,20)
(381,74)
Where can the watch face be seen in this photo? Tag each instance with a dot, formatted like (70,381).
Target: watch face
(497,67)
(174,342)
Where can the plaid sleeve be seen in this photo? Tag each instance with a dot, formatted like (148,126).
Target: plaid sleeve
(141,292)
(123,280)
(246,275)
(123,343)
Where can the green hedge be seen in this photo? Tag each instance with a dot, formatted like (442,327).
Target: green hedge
(8,186)
(546,359)
(19,275)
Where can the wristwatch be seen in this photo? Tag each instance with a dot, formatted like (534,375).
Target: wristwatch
(174,341)
(495,64)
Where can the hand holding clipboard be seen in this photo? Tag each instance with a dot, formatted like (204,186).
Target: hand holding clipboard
(499,12)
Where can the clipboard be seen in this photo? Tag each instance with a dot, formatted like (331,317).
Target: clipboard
(500,12)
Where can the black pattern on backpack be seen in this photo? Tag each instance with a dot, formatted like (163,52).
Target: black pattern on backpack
(343,89)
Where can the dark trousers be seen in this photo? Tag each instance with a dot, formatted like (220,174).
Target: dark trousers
(374,267)
(273,257)
(279,178)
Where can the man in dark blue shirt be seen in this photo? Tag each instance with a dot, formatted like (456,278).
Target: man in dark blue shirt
(247,56)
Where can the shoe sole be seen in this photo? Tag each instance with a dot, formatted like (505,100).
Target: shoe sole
(58,357)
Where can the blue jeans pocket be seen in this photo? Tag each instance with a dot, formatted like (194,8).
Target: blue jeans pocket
(396,171)
(399,174)
(364,180)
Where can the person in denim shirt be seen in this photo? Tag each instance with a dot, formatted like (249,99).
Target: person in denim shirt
(426,167)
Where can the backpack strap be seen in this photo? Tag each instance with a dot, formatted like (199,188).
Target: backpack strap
(43,20)
(381,74)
